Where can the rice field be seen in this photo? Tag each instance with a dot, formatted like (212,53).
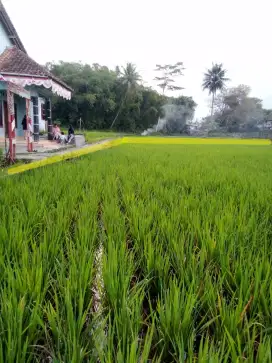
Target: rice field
(139,253)
(168,140)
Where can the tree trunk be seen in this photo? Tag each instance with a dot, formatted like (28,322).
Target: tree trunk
(213,95)
(118,112)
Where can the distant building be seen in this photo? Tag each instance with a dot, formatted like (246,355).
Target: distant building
(25,89)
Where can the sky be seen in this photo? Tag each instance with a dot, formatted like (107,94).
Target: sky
(236,33)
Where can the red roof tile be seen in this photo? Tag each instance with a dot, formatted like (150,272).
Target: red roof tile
(13,61)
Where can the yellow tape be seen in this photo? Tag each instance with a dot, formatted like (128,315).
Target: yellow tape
(65,156)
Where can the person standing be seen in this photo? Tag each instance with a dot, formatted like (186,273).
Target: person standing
(71,134)
(56,132)
(24,124)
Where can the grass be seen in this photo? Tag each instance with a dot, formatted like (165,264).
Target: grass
(184,274)
(94,136)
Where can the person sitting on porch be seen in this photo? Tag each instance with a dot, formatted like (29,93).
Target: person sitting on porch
(56,132)
(71,134)
(24,124)
(62,138)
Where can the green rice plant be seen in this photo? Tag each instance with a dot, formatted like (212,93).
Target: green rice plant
(139,253)
(176,310)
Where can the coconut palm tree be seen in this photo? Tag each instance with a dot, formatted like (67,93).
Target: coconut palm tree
(214,80)
(129,78)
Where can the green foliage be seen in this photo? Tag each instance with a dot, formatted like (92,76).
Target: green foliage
(236,111)
(139,253)
(128,80)
(215,79)
(94,136)
(178,112)
(151,108)
(267,115)
(102,96)
(93,100)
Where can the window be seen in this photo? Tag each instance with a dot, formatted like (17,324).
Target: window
(43,111)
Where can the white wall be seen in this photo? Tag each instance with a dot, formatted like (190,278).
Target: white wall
(41,102)
(4,39)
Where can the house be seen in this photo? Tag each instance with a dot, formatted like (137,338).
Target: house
(26,88)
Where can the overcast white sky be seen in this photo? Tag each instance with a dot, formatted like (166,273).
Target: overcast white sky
(147,32)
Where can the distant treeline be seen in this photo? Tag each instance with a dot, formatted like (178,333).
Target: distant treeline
(105,98)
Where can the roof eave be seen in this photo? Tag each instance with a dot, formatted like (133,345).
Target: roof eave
(38,76)
(22,75)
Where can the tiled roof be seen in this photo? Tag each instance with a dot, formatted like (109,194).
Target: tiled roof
(13,61)
(8,26)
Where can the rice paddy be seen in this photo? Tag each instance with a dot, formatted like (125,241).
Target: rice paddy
(139,253)
(193,140)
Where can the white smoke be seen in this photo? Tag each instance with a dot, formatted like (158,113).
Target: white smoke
(156,128)
(174,120)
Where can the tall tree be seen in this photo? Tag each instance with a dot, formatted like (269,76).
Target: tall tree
(236,111)
(129,78)
(179,112)
(169,73)
(214,80)
(94,96)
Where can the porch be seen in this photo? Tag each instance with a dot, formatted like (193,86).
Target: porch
(25,92)
(41,149)
(20,110)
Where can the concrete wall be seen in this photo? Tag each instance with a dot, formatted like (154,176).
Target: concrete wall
(4,39)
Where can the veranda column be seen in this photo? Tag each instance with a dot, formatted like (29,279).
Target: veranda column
(36,125)
(49,118)
(11,125)
(29,127)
